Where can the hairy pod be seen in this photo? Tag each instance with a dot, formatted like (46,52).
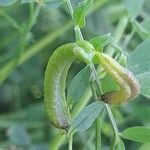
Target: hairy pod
(129,85)
(55,79)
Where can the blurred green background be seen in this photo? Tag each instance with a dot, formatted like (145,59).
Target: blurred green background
(24,53)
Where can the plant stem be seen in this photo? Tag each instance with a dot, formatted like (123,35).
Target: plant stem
(128,39)
(70,142)
(120,29)
(97,122)
(113,122)
(98,134)
(76,28)
(33,16)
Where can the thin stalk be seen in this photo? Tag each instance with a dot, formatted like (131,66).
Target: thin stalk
(120,29)
(33,16)
(70,142)
(98,134)
(128,39)
(113,122)
(97,122)
(76,28)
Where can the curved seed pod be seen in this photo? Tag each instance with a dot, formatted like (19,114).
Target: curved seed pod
(129,85)
(126,75)
(54,82)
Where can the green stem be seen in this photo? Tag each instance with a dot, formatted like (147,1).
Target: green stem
(98,134)
(70,9)
(120,29)
(33,16)
(113,122)
(76,28)
(70,142)
(128,39)
(97,122)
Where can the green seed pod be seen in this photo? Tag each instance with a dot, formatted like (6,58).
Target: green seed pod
(55,79)
(129,85)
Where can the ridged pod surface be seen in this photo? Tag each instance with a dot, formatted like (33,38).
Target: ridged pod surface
(55,79)
(129,85)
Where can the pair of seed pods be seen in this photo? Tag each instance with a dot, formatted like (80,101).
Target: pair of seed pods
(56,74)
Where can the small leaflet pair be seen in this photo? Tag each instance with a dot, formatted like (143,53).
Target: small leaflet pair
(56,74)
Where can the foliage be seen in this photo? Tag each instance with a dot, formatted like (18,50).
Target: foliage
(29,34)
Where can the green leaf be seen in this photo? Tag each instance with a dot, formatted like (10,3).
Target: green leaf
(78,85)
(81,11)
(18,135)
(133,7)
(138,61)
(120,145)
(138,134)
(144,80)
(86,118)
(101,41)
(7,2)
